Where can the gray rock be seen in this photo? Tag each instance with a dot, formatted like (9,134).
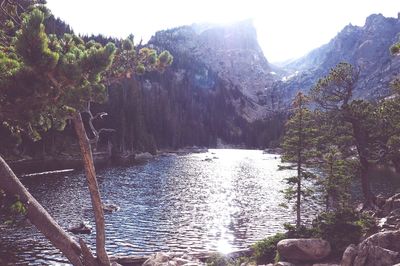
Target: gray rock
(171,259)
(391,204)
(157,259)
(370,255)
(304,249)
(284,263)
(387,240)
(349,255)
(379,249)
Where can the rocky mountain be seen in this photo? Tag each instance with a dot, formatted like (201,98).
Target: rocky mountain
(366,47)
(208,55)
(211,94)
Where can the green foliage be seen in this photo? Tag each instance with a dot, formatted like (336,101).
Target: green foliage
(342,228)
(299,232)
(336,178)
(299,149)
(219,260)
(47,79)
(32,43)
(336,89)
(265,250)
(348,123)
(395,48)
(18,208)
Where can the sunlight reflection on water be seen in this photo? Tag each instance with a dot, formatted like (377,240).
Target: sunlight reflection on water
(221,200)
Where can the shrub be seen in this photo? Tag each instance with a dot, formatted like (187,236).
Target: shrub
(301,232)
(265,250)
(218,260)
(342,228)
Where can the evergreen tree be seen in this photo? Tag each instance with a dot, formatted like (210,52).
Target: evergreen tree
(334,159)
(299,150)
(333,95)
(46,80)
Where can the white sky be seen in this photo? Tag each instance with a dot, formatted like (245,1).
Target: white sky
(285,28)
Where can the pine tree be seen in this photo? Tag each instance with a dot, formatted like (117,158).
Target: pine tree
(299,150)
(333,95)
(46,80)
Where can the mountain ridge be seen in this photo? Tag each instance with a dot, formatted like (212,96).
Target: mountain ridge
(366,47)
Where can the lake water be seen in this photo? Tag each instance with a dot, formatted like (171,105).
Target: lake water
(221,200)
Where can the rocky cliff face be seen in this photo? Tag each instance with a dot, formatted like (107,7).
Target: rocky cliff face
(212,93)
(366,47)
(207,55)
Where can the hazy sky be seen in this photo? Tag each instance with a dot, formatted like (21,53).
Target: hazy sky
(285,28)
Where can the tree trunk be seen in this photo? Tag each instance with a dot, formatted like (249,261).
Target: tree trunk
(39,216)
(361,140)
(369,197)
(298,196)
(86,151)
(396,164)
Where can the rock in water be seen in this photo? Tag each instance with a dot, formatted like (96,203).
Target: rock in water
(110,207)
(304,249)
(82,228)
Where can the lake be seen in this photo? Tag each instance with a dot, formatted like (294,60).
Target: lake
(222,200)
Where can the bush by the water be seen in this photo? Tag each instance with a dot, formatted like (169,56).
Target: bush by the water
(264,251)
(221,260)
(342,228)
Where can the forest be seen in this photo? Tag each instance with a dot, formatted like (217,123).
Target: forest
(63,95)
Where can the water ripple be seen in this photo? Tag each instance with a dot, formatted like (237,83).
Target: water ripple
(220,200)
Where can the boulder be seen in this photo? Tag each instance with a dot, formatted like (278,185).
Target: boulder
(304,249)
(388,240)
(171,259)
(349,255)
(370,255)
(391,204)
(160,258)
(377,250)
(284,263)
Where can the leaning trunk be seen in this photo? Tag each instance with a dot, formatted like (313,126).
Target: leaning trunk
(86,151)
(396,164)
(369,197)
(38,216)
(362,139)
(298,199)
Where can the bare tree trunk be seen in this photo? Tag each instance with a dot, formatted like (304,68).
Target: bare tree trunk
(396,163)
(369,197)
(298,196)
(86,151)
(39,216)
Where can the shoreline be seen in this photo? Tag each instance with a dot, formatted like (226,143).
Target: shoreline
(59,164)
